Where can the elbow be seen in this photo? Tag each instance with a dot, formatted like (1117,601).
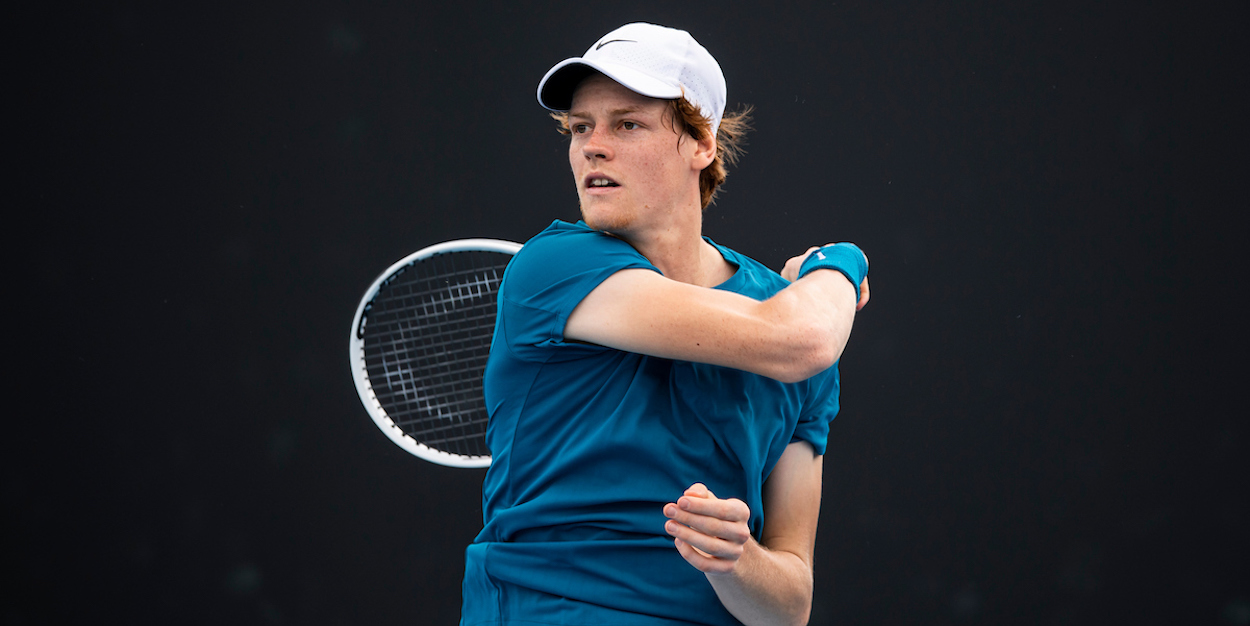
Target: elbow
(817,352)
(801,612)
(805,340)
(803,617)
(804,613)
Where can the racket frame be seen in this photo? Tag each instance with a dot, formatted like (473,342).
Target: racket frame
(360,373)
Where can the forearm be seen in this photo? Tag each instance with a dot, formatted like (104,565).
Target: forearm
(760,582)
(796,334)
(767,588)
(816,313)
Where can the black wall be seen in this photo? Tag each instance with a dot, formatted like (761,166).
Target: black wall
(1042,416)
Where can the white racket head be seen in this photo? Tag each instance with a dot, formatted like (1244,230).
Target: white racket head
(419,343)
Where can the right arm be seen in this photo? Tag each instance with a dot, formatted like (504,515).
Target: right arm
(797,333)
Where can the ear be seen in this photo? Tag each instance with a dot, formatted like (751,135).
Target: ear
(704,152)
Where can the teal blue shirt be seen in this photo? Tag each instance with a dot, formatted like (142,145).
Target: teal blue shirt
(588,443)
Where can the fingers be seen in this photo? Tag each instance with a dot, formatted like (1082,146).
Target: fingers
(791,269)
(729,523)
(710,533)
(699,490)
(703,561)
(706,545)
(699,501)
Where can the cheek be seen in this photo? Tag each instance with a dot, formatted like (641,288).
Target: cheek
(662,162)
(652,158)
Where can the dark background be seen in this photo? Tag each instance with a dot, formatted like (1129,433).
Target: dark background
(1042,416)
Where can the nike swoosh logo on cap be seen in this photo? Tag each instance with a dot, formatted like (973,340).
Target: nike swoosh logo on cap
(613,41)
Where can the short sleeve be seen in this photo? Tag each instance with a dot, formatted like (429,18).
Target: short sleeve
(819,409)
(549,277)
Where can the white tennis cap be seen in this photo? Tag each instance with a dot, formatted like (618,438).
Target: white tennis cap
(651,60)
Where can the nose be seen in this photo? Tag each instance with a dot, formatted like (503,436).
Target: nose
(597,145)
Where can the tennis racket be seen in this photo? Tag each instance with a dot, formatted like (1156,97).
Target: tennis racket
(419,345)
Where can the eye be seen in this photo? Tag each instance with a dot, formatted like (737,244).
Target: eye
(579,129)
(629,125)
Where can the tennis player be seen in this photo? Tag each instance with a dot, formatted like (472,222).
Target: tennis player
(659,403)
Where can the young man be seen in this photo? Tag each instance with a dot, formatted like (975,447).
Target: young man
(654,397)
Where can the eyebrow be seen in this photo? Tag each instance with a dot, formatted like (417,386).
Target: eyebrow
(612,113)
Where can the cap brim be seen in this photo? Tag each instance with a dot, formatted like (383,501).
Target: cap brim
(555,90)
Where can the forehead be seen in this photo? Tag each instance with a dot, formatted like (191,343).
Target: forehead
(598,92)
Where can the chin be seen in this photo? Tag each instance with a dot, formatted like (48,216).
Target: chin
(606,219)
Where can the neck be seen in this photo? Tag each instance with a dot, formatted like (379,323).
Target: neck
(680,252)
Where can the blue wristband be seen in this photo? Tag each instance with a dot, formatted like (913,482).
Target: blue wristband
(843,257)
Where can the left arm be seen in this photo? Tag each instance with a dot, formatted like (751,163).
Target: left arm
(764,582)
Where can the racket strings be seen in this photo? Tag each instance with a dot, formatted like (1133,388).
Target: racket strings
(426,344)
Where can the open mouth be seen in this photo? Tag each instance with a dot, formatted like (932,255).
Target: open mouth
(599,182)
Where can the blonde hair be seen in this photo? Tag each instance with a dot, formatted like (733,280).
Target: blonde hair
(686,118)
